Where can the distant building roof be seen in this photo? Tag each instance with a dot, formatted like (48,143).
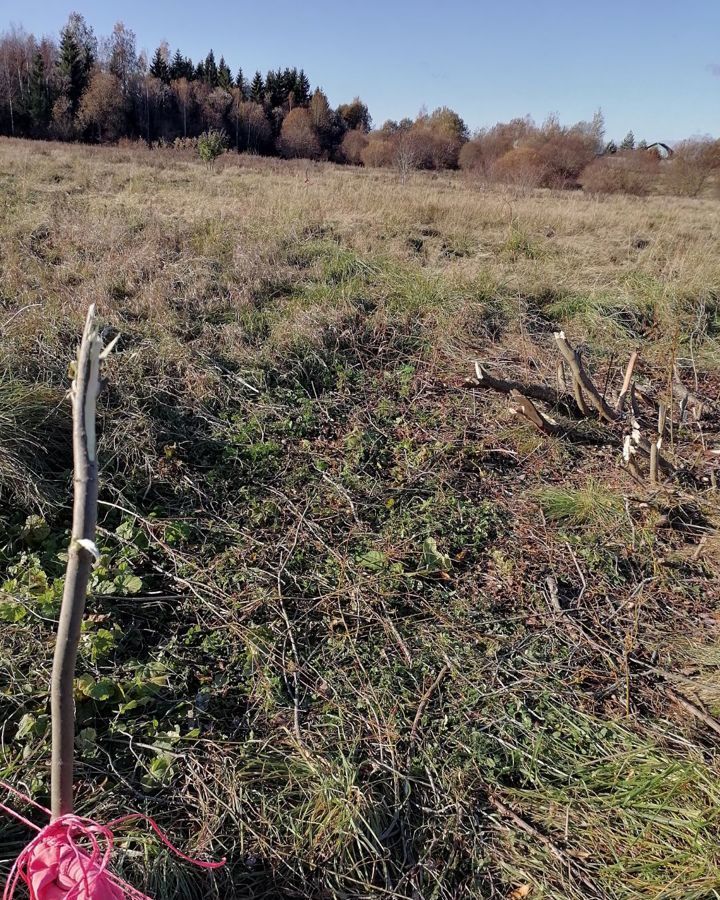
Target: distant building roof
(662,149)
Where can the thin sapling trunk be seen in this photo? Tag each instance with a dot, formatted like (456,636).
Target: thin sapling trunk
(81,553)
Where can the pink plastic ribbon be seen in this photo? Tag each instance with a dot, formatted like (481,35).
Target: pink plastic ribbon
(56,866)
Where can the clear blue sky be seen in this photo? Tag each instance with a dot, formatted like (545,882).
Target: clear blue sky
(649,65)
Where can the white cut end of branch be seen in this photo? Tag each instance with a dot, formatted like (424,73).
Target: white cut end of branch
(478,370)
(90,546)
(110,347)
(628,448)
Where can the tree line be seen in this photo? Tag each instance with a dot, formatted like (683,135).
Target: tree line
(82,88)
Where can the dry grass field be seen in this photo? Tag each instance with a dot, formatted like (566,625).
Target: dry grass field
(357,626)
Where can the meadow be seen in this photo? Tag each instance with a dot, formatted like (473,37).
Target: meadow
(356,625)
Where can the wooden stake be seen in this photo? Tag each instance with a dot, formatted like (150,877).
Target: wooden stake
(81,553)
(653,462)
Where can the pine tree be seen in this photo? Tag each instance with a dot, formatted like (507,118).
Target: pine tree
(177,66)
(302,89)
(199,73)
(287,83)
(71,69)
(211,70)
(257,88)
(86,41)
(225,79)
(628,142)
(39,101)
(643,145)
(159,67)
(271,88)
(240,83)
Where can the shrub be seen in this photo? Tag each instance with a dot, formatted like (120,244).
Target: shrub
(378,152)
(352,147)
(211,144)
(521,167)
(691,166)
(632,172)
(298,137)
(472,157)
(62,123)
(520,152)
(185,143)
(565,153)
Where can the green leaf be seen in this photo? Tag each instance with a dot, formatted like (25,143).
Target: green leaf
(158,771)
(373,561)
(126,530)
(132,584)
(26,726)
(86,739)
(432,560)
(103,689)
(12,612)
(105,587)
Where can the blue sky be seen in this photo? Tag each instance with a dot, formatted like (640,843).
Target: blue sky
(649,65)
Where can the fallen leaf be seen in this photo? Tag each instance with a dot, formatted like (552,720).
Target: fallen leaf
(520,892)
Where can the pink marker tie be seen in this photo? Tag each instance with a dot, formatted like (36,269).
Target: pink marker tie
(56,866)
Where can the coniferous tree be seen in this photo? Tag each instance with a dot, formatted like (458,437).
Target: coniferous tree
(287,83)
(257,89)
(211,70)
(241,84)
(159,67)
(225,79)
(71,70)
(39,100)
(177,66)
(86,42)
(628,142)
(271,89)
(199,73)
(302,89)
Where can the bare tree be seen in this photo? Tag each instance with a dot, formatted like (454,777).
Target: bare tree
(183,94)
(405,158)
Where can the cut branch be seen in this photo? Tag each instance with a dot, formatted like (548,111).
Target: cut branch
(579,399)
(536,391)
(572,358)
(82,551)
(627,381)
(527,409)
(687,400)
